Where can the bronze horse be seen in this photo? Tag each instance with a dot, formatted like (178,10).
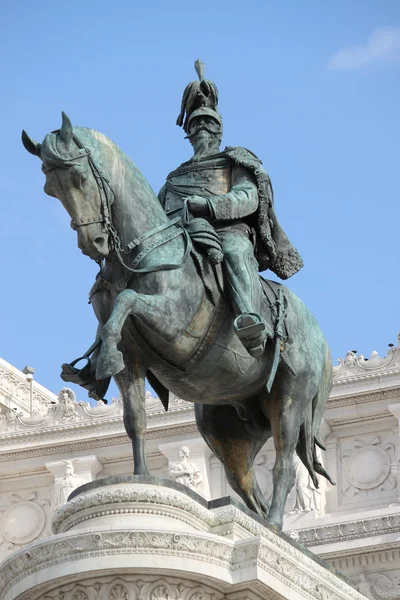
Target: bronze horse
(151,302)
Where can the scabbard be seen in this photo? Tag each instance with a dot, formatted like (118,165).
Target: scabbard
(275,364)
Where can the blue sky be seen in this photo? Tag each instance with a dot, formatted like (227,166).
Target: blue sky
(311,87)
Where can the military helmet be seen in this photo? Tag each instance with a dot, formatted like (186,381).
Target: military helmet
(203,111)
(201,95)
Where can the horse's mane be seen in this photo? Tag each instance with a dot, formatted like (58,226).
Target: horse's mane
(113,162)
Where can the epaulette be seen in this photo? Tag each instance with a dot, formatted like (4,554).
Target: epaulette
(239,150)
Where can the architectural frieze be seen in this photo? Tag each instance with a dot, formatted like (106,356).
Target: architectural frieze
(363,398)
(135,587)
(350,530)
(93,443)
(282,561)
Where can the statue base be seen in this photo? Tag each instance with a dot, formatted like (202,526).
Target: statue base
(143,538)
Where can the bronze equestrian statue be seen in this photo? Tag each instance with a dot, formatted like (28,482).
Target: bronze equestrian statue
(179,299)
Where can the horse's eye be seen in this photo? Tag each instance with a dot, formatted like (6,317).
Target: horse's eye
(84,178)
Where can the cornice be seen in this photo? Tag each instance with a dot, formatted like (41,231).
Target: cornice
(81,421)
(354,557)
(93,442)
(364,397)
(353,369)
(350,530)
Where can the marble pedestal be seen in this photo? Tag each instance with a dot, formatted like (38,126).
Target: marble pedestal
(139,538)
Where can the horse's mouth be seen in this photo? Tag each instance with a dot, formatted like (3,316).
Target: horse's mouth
(94,244)
(94,254)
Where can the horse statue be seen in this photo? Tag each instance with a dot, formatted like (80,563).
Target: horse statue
(163,314)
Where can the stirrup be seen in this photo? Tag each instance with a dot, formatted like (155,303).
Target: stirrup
(248,326)
(85,376)
(251,331)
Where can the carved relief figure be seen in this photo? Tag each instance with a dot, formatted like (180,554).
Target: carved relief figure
(185,472)
(307,497)
(65,486)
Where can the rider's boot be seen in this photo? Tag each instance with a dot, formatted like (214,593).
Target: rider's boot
(245,291)
(251,331)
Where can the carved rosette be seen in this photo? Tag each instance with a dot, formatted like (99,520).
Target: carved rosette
(23,519)
(367,467)
(379,586)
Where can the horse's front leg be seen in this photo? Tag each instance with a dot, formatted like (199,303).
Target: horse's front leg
(153,310)
(131,384)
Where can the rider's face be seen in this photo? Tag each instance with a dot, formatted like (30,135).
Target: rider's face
(203,123)
(203,132)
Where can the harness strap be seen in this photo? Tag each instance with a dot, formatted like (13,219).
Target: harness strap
(155,244)
(107,196)
(136,242)
(96,218)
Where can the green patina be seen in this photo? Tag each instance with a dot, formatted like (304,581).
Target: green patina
(179,299)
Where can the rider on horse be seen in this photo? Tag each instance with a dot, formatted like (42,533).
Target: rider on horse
(231,190)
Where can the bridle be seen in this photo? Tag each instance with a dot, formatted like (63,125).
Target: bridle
(139,247)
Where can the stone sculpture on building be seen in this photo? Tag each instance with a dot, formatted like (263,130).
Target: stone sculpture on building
(307,496)
(64,486)
(185,471)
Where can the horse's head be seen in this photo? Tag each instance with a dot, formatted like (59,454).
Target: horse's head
(72,177)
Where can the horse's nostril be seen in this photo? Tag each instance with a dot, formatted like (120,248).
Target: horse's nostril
(99,241)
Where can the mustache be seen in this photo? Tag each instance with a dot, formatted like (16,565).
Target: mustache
(204,128)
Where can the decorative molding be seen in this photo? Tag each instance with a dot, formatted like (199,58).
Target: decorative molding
(15,387)
(123,498)
(94,441)
(354,560)
(350,530)
(271,553)
(53,551)
(363,397)
(354,367)
(131,587)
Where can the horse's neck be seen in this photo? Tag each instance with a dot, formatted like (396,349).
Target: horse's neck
(136,208)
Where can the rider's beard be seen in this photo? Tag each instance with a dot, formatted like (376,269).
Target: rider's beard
(204,143)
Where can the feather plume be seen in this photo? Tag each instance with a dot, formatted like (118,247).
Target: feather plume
(199,66)
(196,94)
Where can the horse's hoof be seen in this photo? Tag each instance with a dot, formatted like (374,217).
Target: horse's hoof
(274,525)
(109,365)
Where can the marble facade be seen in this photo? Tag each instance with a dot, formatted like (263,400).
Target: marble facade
(50,444)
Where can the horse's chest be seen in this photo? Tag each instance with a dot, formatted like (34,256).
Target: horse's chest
(202,182)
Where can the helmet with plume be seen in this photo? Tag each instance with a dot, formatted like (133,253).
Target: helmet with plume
(199,98)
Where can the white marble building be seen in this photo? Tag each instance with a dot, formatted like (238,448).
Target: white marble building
(51,444)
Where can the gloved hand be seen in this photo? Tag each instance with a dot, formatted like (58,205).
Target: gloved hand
(198,206)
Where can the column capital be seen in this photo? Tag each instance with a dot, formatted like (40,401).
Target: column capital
(395,410)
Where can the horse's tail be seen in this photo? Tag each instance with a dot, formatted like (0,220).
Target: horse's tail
(309,430)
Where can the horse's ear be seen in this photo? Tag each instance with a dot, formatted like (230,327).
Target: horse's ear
(66,131)
(29,144)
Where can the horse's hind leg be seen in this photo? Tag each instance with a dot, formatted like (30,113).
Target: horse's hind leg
(226,435)
(285,410)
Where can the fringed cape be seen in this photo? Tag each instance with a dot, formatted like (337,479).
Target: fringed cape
(274,250)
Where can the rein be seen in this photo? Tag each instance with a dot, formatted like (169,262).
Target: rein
(143,245)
